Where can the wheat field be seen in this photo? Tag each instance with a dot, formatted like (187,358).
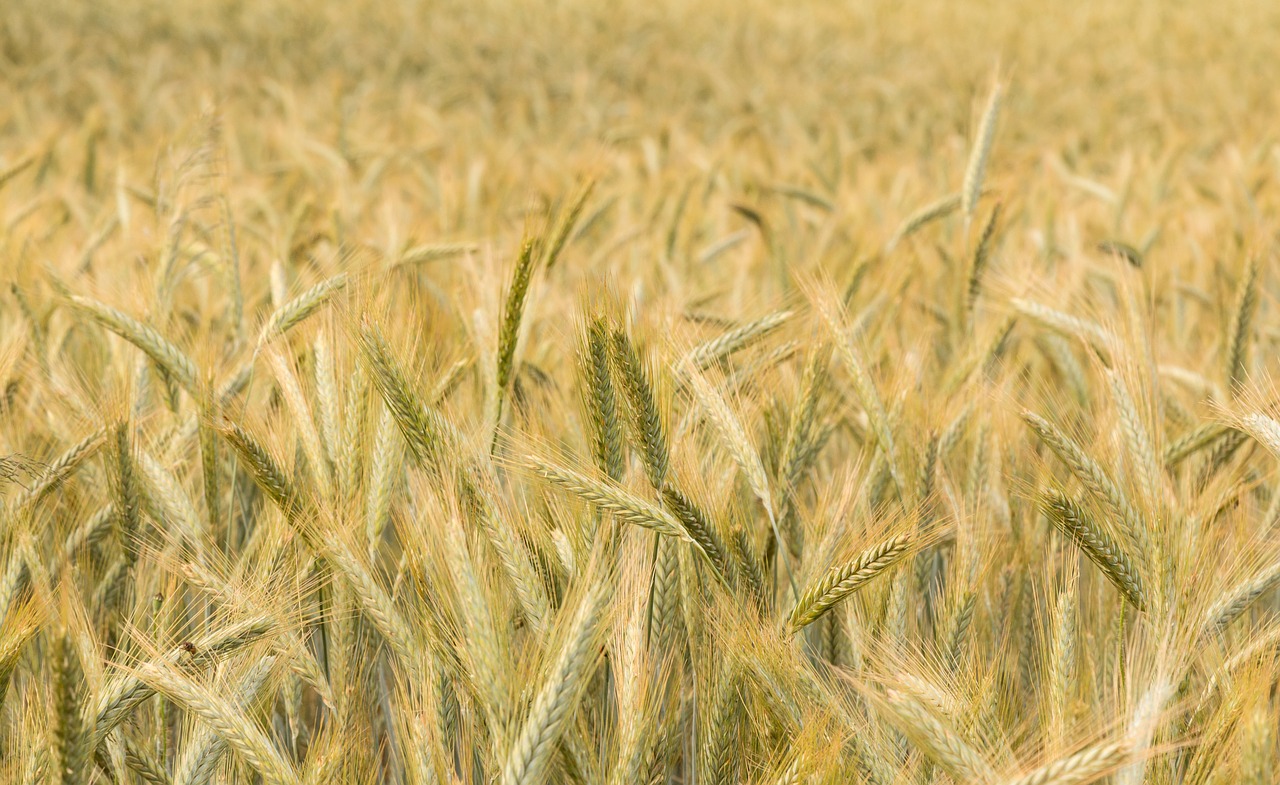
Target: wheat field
(604,393)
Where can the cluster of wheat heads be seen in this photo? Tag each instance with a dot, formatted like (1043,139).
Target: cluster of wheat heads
(325,459)
(776,550)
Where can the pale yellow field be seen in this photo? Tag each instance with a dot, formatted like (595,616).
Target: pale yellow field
(681,392)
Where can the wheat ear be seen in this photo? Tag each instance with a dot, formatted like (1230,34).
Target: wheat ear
(121,695)
(977,166)
(429,436)
(1097,545)
(528,762)
(706,354)
(927,214)
(601,402)
(937,739)
(642,408)
(509,332)
(147,338)
(839,582)
(1241,323)
(201,755)
(1081,767)
(1237,599)
(58,469)
(1092,476)
(613,498)
(225,718)
(288,314)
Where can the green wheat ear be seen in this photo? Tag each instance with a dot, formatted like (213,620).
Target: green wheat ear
(1109,557)
(647,430)
(601,400)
